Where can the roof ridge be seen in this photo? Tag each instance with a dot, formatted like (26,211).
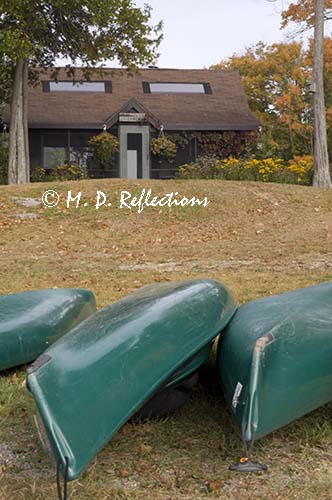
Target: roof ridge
(156,69)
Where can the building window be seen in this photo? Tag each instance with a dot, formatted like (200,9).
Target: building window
(69,86)
(176,88)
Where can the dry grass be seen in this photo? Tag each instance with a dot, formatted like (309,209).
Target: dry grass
(258,239)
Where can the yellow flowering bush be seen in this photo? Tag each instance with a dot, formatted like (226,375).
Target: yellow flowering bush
(302,167)
(63,172)
(296,171)
(38,175)
(67,171)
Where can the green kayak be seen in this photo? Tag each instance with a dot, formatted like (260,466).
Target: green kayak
(275,359)
(96,377)
(31,321)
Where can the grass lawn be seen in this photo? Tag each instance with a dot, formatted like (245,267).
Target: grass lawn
(258,239)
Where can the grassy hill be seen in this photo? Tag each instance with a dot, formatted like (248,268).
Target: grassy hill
(258,239)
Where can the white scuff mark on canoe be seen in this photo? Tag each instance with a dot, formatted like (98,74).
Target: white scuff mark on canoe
(263,341)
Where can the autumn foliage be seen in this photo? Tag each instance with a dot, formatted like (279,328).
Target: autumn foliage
(302,13)
(277,81)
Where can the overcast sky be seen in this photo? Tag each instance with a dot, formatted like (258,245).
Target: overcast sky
(198,33)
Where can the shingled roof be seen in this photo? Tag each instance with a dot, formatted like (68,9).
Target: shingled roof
(225,108)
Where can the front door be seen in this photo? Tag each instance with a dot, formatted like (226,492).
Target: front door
(132,164)
(134,151)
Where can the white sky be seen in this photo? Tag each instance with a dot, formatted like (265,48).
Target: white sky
(198,33)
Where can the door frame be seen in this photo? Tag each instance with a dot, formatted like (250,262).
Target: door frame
(124,130)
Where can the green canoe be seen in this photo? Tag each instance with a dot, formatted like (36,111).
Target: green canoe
(96,377)
(31,321)
(275,359)
(177,391)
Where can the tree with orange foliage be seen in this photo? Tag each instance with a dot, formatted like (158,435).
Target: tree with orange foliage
(302,13)
(278,82)
(275,78)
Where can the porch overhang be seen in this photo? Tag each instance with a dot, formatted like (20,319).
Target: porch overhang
(133,107)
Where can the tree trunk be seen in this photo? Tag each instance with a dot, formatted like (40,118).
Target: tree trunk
(25,121)
(18,164)
(322,177)
(291,140)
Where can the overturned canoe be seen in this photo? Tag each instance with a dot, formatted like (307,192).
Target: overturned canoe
(177,391)
(98,375)
(31,321)
(274,359)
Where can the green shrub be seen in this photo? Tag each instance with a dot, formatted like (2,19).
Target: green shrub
(4,158)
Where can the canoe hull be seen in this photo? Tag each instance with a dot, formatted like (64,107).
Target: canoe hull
(191,366)
(31,321)
(274,359)
(105,369)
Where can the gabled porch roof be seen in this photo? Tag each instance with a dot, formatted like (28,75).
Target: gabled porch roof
(133,106)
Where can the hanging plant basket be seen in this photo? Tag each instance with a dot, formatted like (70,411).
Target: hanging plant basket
(105,145)
(163,146)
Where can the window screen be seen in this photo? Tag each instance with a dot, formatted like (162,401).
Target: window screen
(53,156)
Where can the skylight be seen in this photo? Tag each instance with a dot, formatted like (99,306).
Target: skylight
(68,86)
(176,88)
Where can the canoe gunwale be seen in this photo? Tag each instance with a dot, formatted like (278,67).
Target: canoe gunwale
(251,411)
